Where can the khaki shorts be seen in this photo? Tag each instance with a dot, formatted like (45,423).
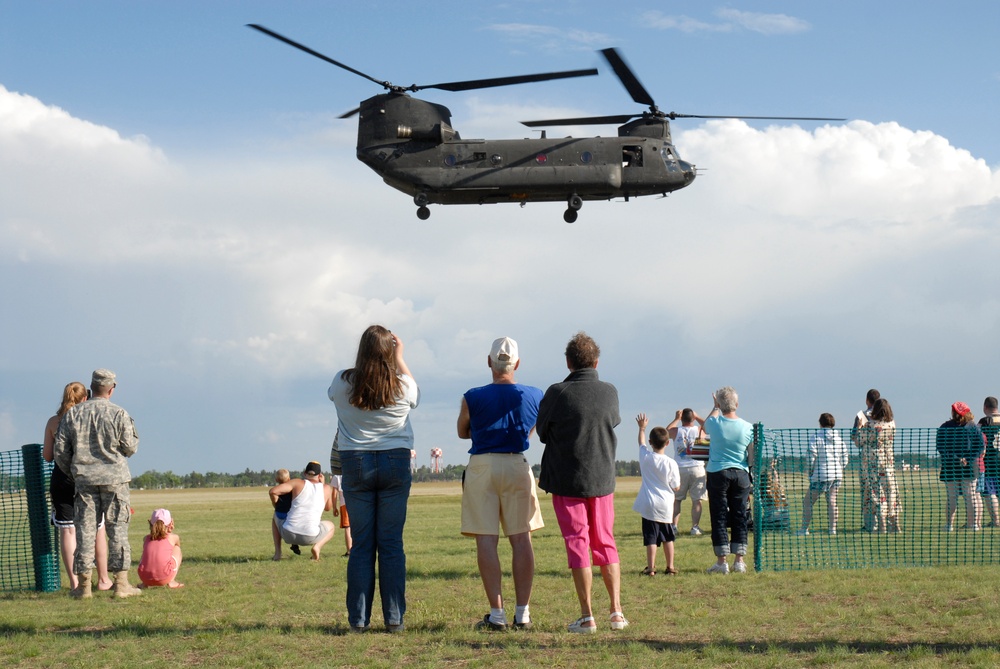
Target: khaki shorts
(693,481)
(499,491)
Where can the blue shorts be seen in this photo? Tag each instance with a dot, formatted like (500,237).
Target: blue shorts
(989,486)
(825,486)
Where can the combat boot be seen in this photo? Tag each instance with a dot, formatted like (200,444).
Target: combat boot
(122,588)
(83,588)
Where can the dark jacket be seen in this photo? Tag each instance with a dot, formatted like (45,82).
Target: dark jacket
(576,422)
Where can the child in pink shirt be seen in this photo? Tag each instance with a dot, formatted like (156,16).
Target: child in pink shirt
(161,552)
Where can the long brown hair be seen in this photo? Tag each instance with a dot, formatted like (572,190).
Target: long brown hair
(73,394)
(374,380)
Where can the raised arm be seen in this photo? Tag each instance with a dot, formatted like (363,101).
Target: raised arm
(643,422)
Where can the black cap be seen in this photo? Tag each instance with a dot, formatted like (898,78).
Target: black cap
(313,468)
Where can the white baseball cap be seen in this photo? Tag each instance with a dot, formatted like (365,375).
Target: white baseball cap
(504,350)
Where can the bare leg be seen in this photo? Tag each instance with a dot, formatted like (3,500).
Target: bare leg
(348,542)
(522,566)
(668,553)
(101,558)
(696,507)
(488,561)
(807,508)
(67,541)
(651,557)
(952,505)
(831,508)
(318,546)
(583,578)
(677,512)
(177,557)
(991,500)
(276,535)
(611,573)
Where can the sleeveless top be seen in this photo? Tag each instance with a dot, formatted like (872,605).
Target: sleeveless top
(307,509)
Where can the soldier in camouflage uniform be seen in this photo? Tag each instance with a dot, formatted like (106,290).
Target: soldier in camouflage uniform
(93,444)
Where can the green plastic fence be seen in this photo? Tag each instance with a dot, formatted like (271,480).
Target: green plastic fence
(29,557)
(903,523)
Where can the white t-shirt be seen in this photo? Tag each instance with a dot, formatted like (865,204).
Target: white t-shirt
(685,438)
(827,455)
(660,477)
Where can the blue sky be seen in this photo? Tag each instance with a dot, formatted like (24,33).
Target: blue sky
(178,202)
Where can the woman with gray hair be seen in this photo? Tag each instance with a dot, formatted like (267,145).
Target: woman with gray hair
(728,470)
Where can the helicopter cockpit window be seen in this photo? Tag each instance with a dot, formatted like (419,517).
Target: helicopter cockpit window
(670,158)
(632,156)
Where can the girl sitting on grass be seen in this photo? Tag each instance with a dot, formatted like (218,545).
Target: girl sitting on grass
(161,552)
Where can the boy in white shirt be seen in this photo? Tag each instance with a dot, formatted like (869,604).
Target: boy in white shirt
(655,501)
(827,459)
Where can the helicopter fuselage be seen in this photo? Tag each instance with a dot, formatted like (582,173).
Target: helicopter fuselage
(411,144)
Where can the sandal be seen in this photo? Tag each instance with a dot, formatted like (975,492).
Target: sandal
(671,572)
(618,624)
(578,626)
(648,572)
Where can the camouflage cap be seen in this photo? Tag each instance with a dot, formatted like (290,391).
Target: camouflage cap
(103,377)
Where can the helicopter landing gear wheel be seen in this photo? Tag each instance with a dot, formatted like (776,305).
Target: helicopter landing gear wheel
(575,202)
(423,213)
(420,199)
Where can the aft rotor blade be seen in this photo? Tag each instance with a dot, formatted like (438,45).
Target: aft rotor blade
(317,54)
(504,81)
(627,77)
(673,115)
(585,120)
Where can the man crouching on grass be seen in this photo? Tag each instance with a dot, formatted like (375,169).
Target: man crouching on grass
(304,524)
(498,486)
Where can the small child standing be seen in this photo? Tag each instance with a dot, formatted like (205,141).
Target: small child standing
(161,553)
(827,458)
(340,509)
(655,501)
(281,508)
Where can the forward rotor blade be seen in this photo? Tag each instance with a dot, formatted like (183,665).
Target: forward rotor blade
(350,113)
(317,54)
(673,115)
(585,120)
(628,78)
(504,81)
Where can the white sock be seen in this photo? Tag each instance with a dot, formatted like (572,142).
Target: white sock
(522,615)
(498,616)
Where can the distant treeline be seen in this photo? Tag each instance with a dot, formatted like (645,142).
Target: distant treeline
(154,480)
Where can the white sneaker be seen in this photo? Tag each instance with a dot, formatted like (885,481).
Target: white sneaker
(718,568)
(804,533)
(695,531)
(740,567)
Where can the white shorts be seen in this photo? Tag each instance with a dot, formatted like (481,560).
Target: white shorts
(693,481)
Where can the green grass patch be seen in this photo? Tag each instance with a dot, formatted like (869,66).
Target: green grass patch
(241,609)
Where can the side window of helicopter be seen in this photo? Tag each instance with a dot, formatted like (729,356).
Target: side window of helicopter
(632,156)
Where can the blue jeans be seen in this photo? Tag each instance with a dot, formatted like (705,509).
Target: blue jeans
(728,492)
(376,488)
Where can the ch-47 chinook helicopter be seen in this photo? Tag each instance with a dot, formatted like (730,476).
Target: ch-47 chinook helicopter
(412,145)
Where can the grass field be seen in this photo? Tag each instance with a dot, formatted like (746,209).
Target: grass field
(241,609)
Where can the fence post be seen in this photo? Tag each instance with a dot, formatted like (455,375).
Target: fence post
(758,508)
(44,553)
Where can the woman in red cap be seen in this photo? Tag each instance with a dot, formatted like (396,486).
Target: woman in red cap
(960,445)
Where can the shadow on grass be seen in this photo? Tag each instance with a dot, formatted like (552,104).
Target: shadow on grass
(525,640)
(141,630)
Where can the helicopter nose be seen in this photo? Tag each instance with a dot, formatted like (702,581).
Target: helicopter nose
(690,172)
